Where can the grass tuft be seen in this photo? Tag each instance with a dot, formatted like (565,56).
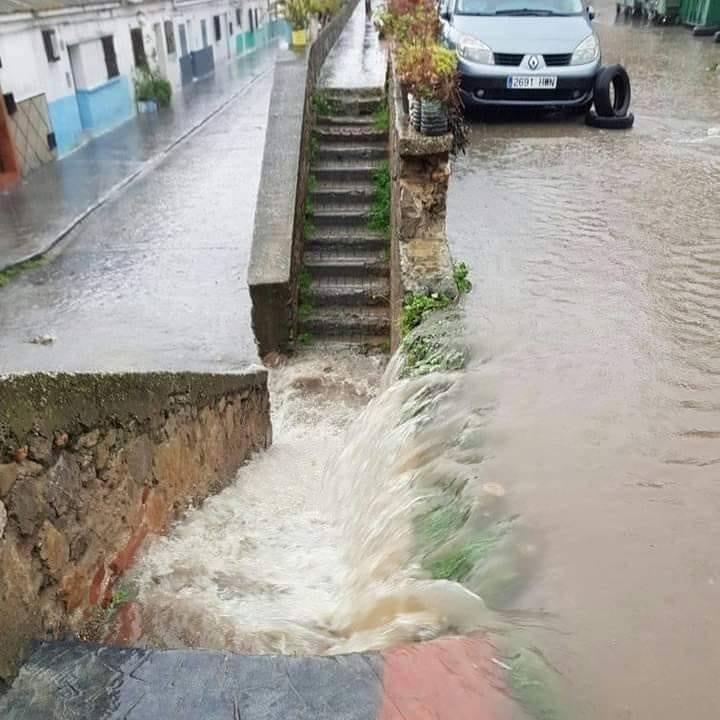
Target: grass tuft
(12,272)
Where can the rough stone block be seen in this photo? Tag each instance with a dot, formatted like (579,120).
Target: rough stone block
(8,475)
(54,550)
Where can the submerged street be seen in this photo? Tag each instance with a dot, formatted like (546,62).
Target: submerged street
(596,263)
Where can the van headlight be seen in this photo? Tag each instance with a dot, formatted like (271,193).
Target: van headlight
(471,49)
(587,51)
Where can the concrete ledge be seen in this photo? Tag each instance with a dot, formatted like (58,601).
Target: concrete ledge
(278,235)
(92,464)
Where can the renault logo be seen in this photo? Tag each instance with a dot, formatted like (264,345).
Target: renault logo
(533,62)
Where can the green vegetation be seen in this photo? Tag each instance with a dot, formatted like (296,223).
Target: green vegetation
(460,273)
(458,563)
(322,103)
(531,684)
(305,338)
(382,118)
(441,523)
(417,306)
(151,85)
(305,305)
(380,210)
(426,353)
(12,272)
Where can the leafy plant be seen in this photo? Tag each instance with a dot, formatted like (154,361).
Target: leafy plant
(428,69)
(461,274)
(296,13)
(405,20)
(322,103)
(380,210)
(417,306)
(151,85)
(305,338)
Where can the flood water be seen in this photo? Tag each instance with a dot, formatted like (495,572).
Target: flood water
(563,492)
(596,263)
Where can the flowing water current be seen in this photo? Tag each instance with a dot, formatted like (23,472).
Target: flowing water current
(351,531)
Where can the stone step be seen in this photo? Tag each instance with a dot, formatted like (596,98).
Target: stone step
(350,292)
(370,344)
(340,321)
(343,215)
(345,193)
(371,91)
(347,152)
(350,133)
(346,172)
(346,238)
(357,121)
(346,262)
(353,104)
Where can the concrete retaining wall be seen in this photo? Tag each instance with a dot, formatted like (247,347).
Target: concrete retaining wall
(92,464)
(278,237)
(420,171)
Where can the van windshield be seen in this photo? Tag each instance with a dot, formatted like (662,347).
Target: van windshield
(519,7)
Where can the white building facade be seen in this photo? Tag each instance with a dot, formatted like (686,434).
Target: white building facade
(66,69)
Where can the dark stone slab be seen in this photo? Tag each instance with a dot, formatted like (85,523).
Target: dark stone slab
(73,681)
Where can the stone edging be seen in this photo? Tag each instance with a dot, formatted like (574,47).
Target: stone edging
(90,465)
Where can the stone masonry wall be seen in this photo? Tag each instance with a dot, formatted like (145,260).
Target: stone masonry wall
(92,464)
(420,171)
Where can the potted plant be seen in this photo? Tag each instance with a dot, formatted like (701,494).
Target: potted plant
(151,89)
(296,13)
(429,71)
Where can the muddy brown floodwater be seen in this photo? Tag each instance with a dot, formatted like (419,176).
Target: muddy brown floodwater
(596,263)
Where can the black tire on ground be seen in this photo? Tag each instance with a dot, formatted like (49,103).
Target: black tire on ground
(617,77)
(609,123)
(717,37)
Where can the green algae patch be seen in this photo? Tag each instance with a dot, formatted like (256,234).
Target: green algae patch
(533,684)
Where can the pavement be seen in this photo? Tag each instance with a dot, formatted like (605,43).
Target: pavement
(453,678)
(154,278)
(358,59)
(40,211)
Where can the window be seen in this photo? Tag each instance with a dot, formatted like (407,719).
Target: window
(216,26)
(111,64)
(238,17)
(170,37)
(203,32)
(50,41)
(257,24)
(250,17)
(138,46)
(230,28)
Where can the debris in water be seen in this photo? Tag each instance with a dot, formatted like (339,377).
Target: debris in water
(42,340)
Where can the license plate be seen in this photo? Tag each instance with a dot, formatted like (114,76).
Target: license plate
(532,82)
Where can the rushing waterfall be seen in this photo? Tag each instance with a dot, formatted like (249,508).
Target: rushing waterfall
(371,521)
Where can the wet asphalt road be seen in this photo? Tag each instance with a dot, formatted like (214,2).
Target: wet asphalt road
(155,279)
(595,258)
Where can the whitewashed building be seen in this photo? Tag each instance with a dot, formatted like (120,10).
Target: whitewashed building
(67,66)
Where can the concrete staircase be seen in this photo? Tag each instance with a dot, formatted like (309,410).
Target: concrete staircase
(347,263)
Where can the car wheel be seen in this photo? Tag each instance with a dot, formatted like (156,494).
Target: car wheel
(609,123)
(612,78)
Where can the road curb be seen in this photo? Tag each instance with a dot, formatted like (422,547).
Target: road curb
(151,162)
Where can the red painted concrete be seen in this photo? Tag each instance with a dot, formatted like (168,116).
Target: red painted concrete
(452,678)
